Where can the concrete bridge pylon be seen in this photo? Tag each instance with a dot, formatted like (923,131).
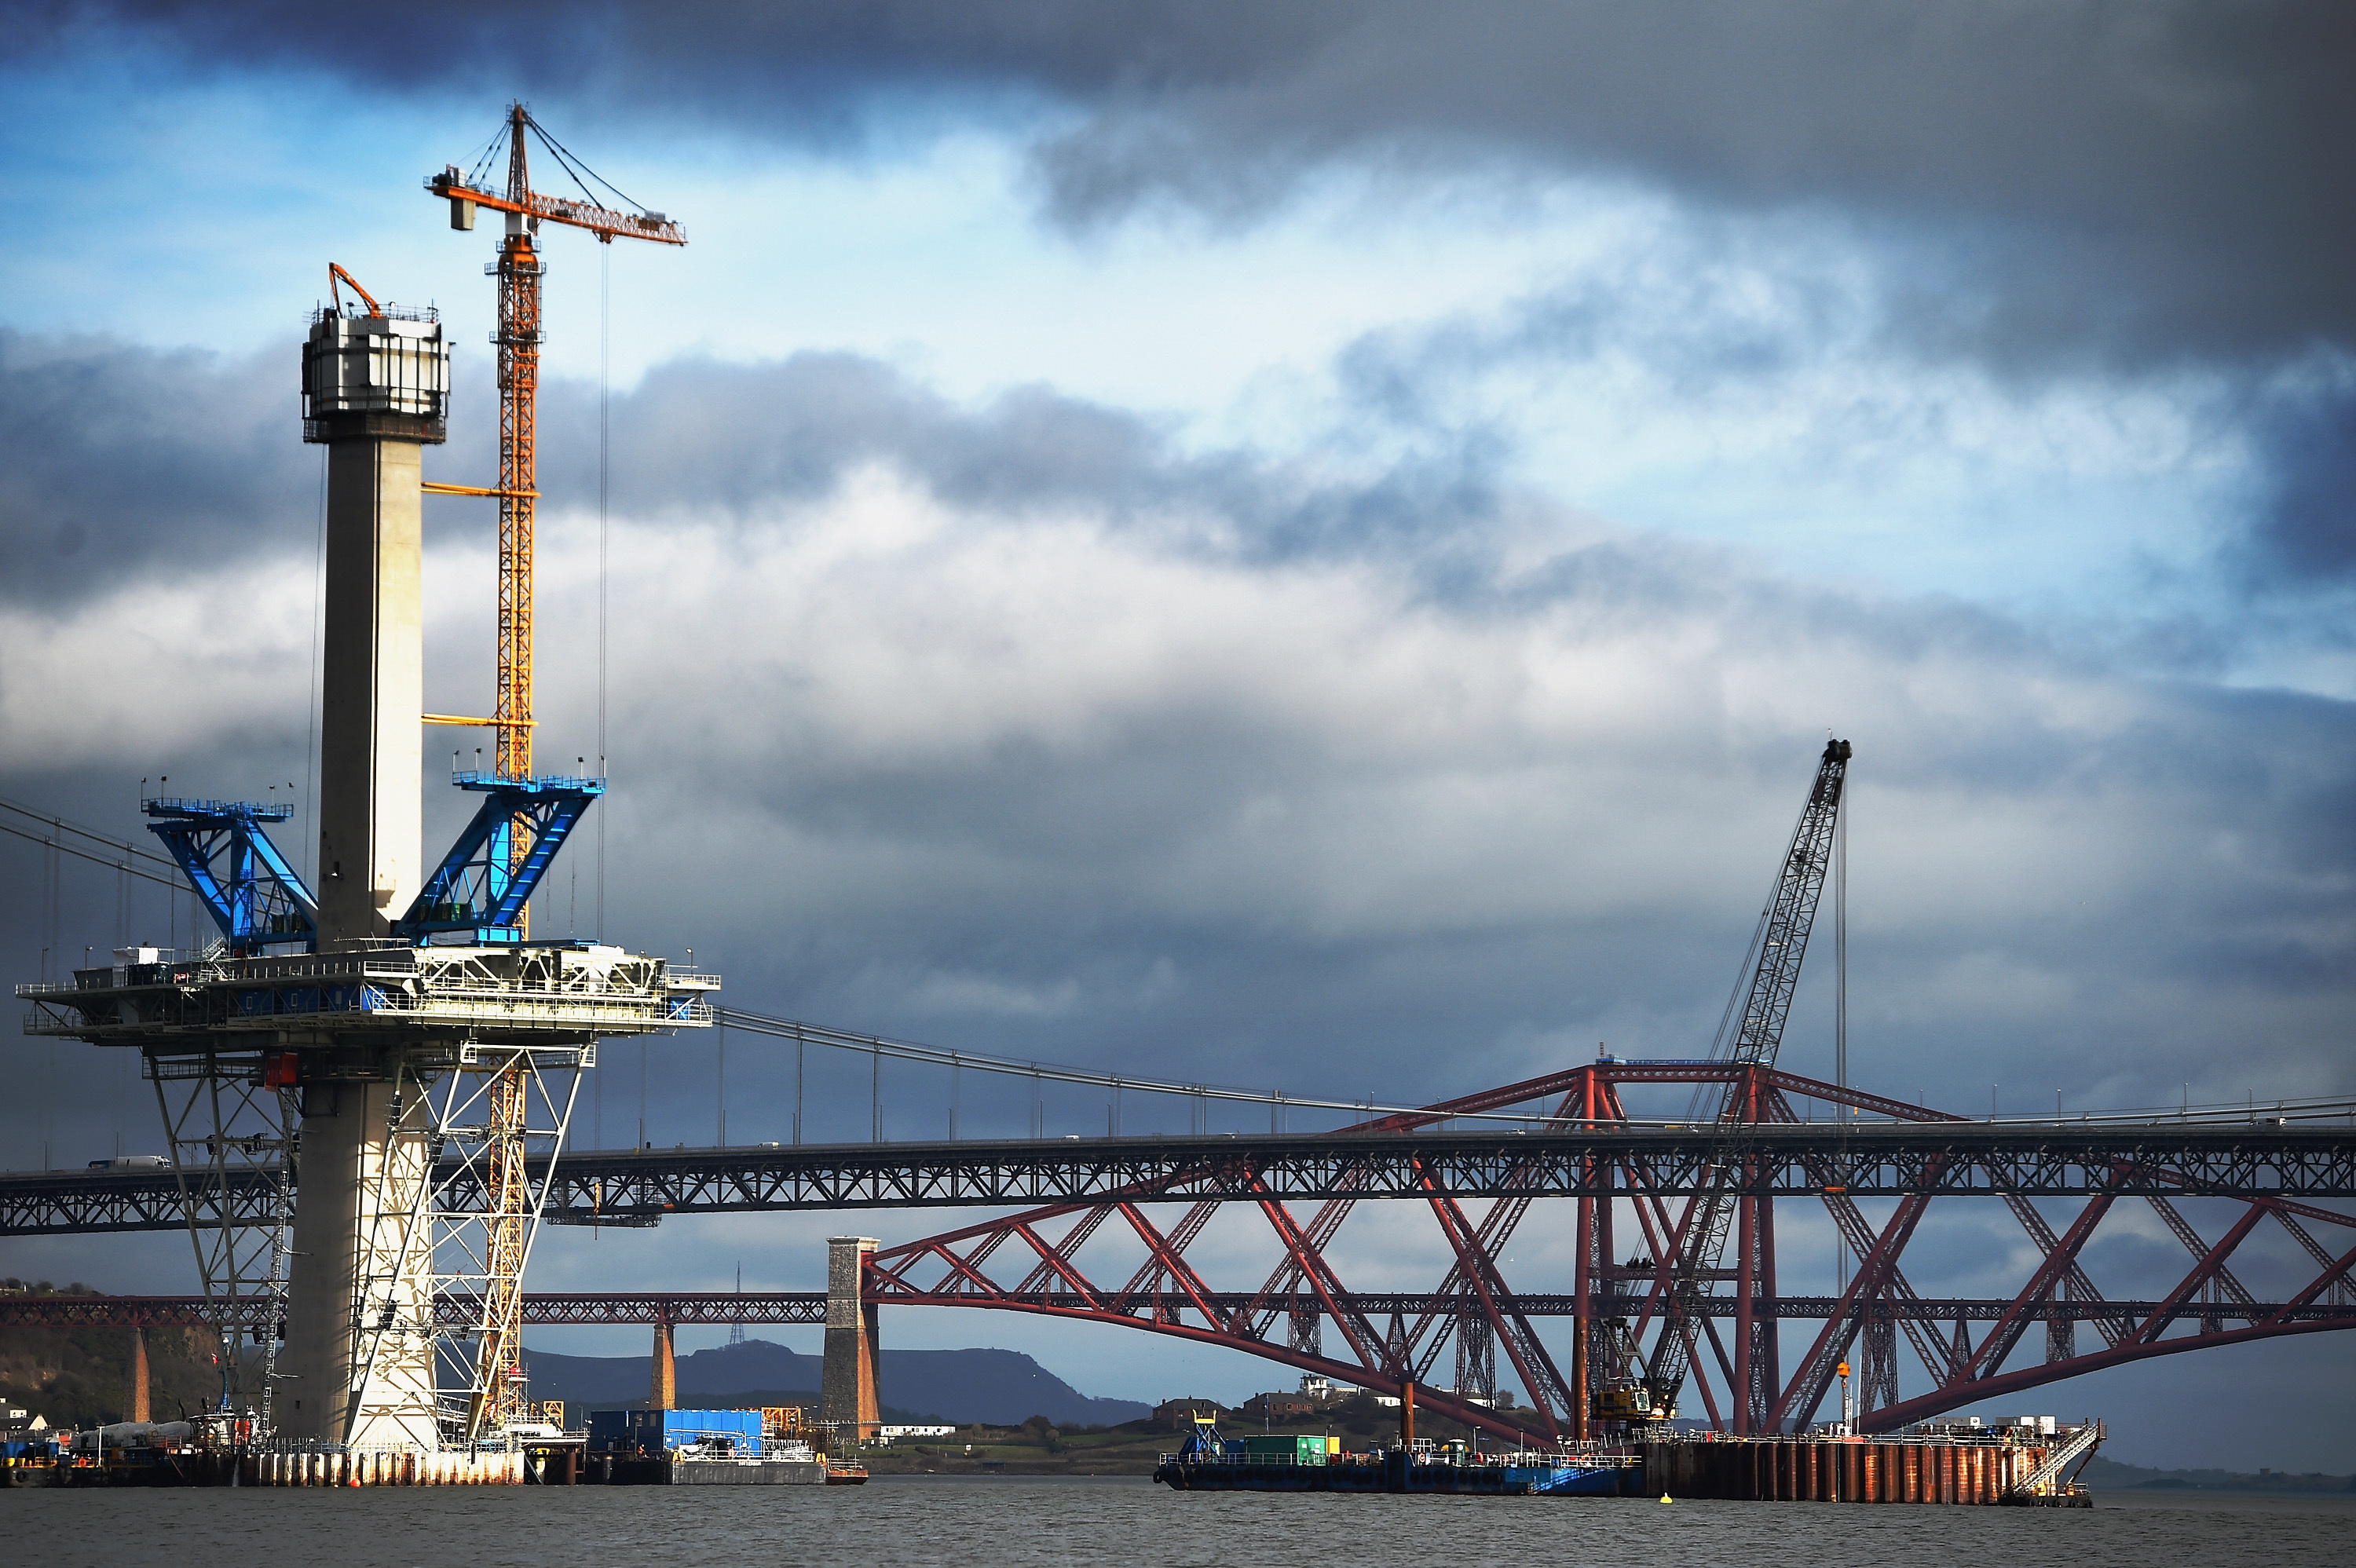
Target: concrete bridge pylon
(375,393)
(390,1057)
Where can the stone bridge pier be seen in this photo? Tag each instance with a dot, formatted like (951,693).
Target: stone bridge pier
(847,1400)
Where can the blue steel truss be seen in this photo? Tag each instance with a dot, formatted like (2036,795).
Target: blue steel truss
(478,889)
(256,898)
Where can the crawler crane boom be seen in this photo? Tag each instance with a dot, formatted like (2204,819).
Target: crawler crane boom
(1749,1036)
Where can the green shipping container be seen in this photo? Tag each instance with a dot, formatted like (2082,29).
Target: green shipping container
(1286,1450)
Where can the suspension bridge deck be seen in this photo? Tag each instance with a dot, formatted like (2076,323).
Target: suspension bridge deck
(2057,1159)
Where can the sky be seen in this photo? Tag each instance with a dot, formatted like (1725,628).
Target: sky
(1308,548)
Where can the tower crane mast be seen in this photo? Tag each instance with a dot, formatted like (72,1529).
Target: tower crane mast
(518,269)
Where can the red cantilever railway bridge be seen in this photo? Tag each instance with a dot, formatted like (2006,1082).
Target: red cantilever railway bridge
(1476,1310)
(1581,1148)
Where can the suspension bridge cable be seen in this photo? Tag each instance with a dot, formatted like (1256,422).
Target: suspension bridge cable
(64,849)
(120,847)
(879,1048)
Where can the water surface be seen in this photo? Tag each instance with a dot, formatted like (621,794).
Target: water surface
(1019,1523)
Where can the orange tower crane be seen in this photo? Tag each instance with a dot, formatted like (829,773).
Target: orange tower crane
(499,1374)
(519,268)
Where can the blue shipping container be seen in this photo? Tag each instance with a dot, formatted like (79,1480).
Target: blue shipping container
(643,1431)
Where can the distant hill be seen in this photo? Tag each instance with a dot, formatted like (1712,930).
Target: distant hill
(2109,1473)
(1002,1387)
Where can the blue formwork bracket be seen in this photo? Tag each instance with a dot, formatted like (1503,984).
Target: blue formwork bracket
(253,894)
(482,885)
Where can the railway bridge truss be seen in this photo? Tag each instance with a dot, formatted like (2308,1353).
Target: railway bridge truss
(1121,1231)
(1906,1160)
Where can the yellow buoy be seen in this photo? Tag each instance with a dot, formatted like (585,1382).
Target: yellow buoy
(1665,1496)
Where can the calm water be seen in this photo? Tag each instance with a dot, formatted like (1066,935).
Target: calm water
(1016,1523)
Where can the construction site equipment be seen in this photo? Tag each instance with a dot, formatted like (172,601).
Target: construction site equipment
(429,1054)
(2055,1477)
(390,1058)
(518,269)
(1750,1033)
(485,884)
(255,897)
(483,888)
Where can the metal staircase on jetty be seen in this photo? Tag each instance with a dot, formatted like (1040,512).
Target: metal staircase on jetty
(2045,1481)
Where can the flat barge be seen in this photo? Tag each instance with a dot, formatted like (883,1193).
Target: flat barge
(692,1470)
(2030,1462)
(1209,1462)
(2023,1464)
(1401,1471)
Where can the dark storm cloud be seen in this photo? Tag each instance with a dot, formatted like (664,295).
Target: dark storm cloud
(704,434)
(982,839)
(115,459)
(2132,181)
(2309,441)
(2047,188)
(701,434)
(2143,181)
(118,461)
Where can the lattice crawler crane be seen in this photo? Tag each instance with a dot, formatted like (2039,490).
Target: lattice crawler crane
(1750,1033)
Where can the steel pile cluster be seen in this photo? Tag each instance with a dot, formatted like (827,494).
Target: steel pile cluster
(1883,1469)
(200,1464)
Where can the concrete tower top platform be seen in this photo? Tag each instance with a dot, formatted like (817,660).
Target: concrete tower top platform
(376,994)
(386,375)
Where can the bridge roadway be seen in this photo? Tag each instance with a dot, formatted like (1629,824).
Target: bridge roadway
(807,1307)
(1871,1159)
